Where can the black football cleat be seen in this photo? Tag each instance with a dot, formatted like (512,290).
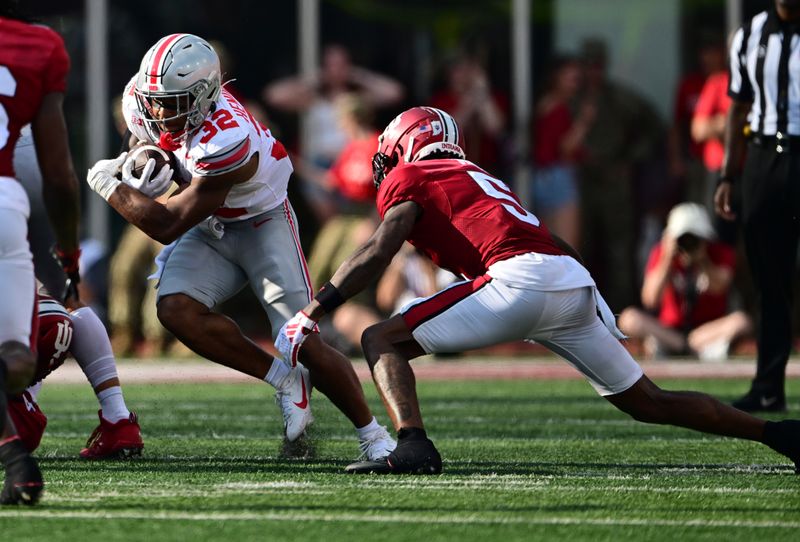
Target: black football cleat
(23,484)
(414,454)
(759,402)
(784,438)
(369,467)
(415,457)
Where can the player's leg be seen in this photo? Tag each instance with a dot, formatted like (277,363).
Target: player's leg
(118,434)
(199,274)
(465,315)
(280,280)
(23,481)
(574,332)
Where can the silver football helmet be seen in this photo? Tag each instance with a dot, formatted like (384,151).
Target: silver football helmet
(180,73)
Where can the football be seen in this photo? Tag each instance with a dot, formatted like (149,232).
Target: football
(143,153)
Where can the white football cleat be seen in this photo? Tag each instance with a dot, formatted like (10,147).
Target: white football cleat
(294,399)
(377,445)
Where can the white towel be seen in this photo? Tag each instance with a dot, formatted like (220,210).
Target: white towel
(606,315)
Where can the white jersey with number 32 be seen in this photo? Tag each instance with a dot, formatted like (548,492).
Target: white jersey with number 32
(227,140)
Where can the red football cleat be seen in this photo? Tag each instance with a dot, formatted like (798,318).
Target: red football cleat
(119,440)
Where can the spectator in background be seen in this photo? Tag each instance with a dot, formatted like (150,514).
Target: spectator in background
(227,64)
(131,299)
(479,110)
(350,188)
(685,151)
(410,276)
(625,134)
(708,129)
(322,137)
(687,281)
(558,142)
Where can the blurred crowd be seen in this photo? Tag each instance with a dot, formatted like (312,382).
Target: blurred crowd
(607,171)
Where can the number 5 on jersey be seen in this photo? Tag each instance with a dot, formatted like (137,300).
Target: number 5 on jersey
(497,189)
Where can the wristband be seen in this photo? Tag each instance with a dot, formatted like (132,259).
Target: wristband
(329,297)
(68,260)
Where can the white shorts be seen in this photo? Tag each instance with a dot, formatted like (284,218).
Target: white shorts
(18,286)
(487,311)
(263,251)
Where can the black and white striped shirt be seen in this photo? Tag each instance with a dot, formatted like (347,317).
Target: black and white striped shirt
(766,72)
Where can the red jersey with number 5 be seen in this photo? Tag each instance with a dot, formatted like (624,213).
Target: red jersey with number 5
(33,63)
(469,220)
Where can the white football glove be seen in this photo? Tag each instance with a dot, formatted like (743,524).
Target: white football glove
(101,177)
(292,334)
(150,186)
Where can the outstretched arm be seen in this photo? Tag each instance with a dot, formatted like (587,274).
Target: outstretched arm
(370,260)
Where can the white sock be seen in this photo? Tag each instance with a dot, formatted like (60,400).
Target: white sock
(277,373)
(364,432)
(113,404)
(91,347)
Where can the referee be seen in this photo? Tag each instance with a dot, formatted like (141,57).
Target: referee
(765,84)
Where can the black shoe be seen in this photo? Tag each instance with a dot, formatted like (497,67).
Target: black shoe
(759,402)
(369,467)
(414,454)
(23,483)
(784,438)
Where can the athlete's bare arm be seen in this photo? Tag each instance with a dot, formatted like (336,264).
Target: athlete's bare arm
(168,221)
(369,260)
(60,191)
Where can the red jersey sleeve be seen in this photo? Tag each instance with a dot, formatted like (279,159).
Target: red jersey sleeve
(402,184)
(57,68)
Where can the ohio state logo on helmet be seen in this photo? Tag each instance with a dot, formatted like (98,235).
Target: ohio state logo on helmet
(413,135)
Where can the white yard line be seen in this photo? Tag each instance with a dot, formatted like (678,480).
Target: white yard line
(413,518)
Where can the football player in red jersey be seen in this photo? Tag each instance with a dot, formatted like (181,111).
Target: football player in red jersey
(521,283)
(80,333)
(33,70)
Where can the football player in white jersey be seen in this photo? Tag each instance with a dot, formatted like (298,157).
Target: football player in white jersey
(230,224)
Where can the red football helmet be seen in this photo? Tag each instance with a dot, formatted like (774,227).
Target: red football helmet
(414,134)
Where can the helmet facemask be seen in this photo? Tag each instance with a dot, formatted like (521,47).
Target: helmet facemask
(191,105)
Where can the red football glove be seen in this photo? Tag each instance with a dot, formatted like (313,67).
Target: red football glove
(70,264)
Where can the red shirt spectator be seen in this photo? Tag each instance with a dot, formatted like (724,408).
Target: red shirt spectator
(713,101)
(707,306)
(351,173)
(686,99)
(549,130)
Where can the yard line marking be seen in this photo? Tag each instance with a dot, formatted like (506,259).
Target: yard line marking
(392,518)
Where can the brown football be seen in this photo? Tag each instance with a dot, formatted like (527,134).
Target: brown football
(145,153)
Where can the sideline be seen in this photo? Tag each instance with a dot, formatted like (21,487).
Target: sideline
(166,370)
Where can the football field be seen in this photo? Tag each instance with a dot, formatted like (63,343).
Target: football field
(524,460)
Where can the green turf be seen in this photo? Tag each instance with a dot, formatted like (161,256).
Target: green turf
(524,460)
